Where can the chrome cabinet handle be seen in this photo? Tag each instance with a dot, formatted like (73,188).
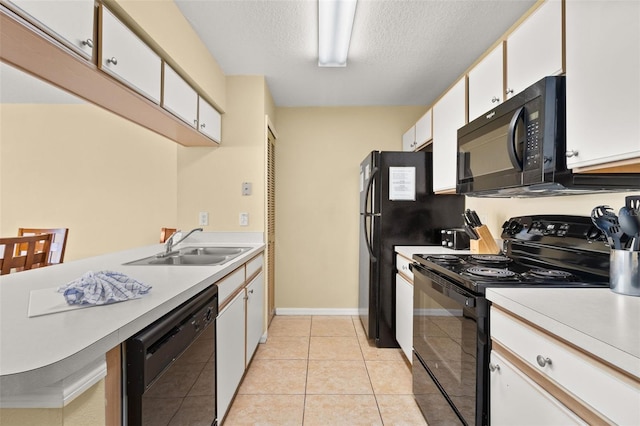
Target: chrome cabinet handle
(494,367)
(202,126)
(88,42)
(495,99)
(251,291)
(113,61)
(542,361)
(571,153)
(509,91)
(195,122)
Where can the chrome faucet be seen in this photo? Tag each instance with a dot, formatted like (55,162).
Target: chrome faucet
(170,243)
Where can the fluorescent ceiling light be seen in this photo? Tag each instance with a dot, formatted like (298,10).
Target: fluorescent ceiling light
(335,21)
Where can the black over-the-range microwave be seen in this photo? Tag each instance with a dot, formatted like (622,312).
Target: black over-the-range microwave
(519,149)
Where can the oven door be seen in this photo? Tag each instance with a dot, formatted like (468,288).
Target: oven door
(450,344)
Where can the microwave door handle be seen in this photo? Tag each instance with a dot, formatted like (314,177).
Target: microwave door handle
(511,139)
(366,214)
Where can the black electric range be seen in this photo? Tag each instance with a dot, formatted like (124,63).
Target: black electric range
(451,315)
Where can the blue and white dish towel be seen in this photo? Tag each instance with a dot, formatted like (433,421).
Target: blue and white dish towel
(101,288)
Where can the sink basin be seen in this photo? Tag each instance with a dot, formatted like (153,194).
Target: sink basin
(193,256)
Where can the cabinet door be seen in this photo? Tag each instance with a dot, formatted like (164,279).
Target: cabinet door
(404,316)
(409,139)
(423,130)
(210,120)
(516,399)
(179,98)
(603,87)
(486,84)
(534,49)
(255,314)
(229,352)
(128,58)
(448,117)
(69,20)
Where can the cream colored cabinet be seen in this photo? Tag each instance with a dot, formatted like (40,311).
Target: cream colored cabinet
(209,120)
(255,293)
(178,97)
(409,139)
(127,58)
(423,130)
(448,116)
(230,352)
(70,21)
(486,81)
(534,49)
(239,327)
(603,82)
(516,399)
(586,385)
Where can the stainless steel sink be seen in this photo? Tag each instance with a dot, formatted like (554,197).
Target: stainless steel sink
(193,256)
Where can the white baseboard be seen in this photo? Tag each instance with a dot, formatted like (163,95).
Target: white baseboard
(316,311)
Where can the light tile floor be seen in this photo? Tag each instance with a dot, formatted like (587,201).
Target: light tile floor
(321,370)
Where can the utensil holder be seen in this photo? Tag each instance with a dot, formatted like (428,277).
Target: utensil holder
(624,272)
(485,244)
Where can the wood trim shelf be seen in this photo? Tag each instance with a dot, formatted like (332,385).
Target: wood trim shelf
(33,51)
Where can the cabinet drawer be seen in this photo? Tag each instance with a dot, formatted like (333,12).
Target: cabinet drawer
(254,265)
(606,390)
(402,264)
(229,284)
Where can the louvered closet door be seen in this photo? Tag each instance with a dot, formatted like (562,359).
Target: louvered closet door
(271,223)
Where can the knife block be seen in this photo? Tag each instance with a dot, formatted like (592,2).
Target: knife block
(485,244)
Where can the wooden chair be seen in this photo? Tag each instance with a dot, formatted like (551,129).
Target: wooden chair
(165,233)
(58,244)
(35,255)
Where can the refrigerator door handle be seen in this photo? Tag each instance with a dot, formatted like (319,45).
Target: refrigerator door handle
(366,214)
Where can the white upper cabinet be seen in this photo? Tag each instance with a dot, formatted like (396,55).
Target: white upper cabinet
(448,116)
(486,81)
(179,98)
(210,120)
(534,49)
(409,139)
(423,130)
(603,82)
(71,21)
(128,58)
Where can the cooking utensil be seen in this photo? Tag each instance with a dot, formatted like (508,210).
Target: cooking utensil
(607,221)
(476,220)
(630,224)
(632,202)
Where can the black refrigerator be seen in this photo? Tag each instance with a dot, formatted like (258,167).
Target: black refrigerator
(397,208)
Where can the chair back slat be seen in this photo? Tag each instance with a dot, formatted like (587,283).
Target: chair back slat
(165,233)
(36,252)
(58,244)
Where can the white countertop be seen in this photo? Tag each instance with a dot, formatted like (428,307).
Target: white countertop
(409,251)
(39,351)
(599,321)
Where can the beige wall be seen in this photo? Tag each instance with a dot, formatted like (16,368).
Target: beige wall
(211,180)
(495,211)
(318,154)
(111,182)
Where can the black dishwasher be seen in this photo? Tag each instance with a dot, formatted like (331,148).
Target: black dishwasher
(169,375)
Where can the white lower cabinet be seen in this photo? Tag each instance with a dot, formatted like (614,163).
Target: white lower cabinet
(516,399)
(404,315)
(255,314)
(230,350)
(239,326)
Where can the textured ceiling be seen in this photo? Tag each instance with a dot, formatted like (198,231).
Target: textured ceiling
(403,52)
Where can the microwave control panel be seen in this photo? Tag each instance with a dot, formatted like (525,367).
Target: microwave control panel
(533,151)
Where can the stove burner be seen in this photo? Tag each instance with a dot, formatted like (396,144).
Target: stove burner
(482,271)
(550,273)
(444,258)
(490,258)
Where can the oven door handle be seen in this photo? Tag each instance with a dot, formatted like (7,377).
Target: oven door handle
(443,286)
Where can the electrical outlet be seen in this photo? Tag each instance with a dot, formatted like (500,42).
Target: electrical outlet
(244,219)
(203,218)
(246,188)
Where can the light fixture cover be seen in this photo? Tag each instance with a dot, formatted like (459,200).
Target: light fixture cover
(335,22)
